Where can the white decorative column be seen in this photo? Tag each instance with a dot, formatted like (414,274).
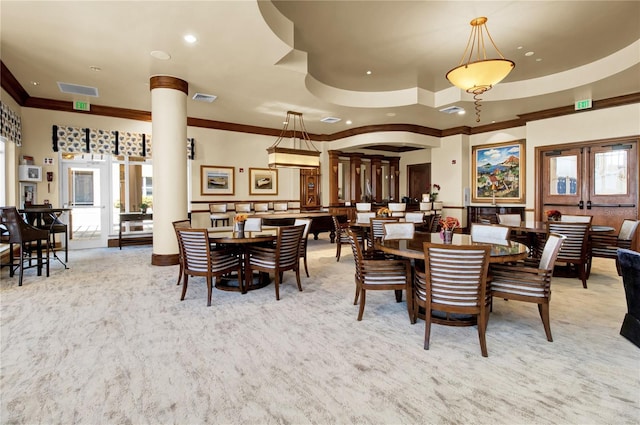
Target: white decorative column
(169,136)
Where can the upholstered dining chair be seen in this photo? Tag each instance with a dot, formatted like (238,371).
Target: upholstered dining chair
(426,208)
(454,281)
(251,224)
(397,231)
(607,245)
(261,207)
(242,208)
(397,209)
(489,232)
(280,206)
(575,249)
(363,206)
(515,220)
(529,280)
(218,213)
(364,217)
(306,222)
(375,272)
(512,220)
(576,218)
(180,224)
(24,235)
(414,217)
(376,229)
(201,260)
(279,258)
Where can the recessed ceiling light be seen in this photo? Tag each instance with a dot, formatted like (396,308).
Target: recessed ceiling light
(368,72)
(391,114)
(95,68)
(462,112)
(190,38)
(529,54)
(519,47)
(539,60)
(34,83)
(348,122)
(159,54)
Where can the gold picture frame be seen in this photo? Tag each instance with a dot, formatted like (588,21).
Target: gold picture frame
(217,180)
(498,172)
(263,181)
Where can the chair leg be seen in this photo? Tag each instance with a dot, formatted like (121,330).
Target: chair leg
(297,269)
(338,248)
(583,274)
(277,279)
(427,327)
(21,266)
(355,300)
(306,269)
(543,309)
(482,328)
(398,295)
(185,281)
(180,273)
(209,289)
(363,295)
(66,247)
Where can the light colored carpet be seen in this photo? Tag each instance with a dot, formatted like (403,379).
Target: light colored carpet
(109,342)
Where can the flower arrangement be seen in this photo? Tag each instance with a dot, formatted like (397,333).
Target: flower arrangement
(449,223)
(384,212)
(553,215)
(434,191)
(240,218)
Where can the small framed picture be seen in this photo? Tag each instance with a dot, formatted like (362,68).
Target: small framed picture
(216,180)
(263,181)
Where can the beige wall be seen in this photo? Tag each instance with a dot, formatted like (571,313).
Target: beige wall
(215,147)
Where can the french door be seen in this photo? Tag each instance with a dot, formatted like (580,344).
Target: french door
(596,178)
(85,189)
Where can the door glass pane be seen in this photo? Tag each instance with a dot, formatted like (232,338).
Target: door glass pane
(386,181)
(610,173)
(82,190)
(563,175)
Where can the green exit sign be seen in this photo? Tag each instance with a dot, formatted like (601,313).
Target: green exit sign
(583,104)
(81,106)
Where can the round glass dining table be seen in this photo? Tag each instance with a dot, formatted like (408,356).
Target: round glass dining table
(501,250)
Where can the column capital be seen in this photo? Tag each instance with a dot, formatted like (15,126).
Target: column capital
(168,82)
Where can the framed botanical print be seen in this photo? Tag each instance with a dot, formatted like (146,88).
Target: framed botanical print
(216,180)
(263,181)
(498,173)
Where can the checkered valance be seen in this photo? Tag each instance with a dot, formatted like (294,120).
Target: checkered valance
(11,125)
(86,140)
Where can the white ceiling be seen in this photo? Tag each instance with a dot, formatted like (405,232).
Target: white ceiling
(264,58)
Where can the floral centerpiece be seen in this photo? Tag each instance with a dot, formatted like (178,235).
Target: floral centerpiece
(553,215)
(434,191)
(384,212)
(240,218)
(449,223)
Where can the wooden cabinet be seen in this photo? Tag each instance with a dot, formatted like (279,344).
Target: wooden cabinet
(349,212)
(309,189)
(482,214)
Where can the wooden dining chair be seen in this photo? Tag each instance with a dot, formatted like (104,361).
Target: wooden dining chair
(218,213)
(374,273)
(201,260)
(306,222)
(261,207)
(489,232)
(414,217)
(363,206)
(279,258)
(398,231)
(24,236)
(575,249)
(51,222)
(398,209)
(529,280)
(454,281)
(607,245)
(376,229)
(180,224)
(342,238)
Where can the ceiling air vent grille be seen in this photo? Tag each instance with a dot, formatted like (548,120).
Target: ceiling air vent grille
(201,97)
(330,120)
(77,89)
(452,110)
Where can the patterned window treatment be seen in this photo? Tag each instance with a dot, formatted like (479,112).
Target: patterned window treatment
(85,140)
(11,125)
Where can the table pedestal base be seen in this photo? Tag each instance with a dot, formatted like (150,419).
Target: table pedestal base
(230,283)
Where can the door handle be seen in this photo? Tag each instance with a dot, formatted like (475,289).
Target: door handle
(588,205)
(581,205)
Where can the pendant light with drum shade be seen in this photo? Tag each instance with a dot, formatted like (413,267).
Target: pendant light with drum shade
(302,153)
(476,74)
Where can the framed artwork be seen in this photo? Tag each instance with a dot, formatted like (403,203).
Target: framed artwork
(498,172)
(263,181)
(215,180)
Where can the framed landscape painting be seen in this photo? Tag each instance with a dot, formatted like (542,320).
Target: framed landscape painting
(263,181)
(498,172)
(215,180)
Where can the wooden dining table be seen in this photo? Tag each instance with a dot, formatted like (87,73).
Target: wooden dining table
(242,243)
(501,250)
